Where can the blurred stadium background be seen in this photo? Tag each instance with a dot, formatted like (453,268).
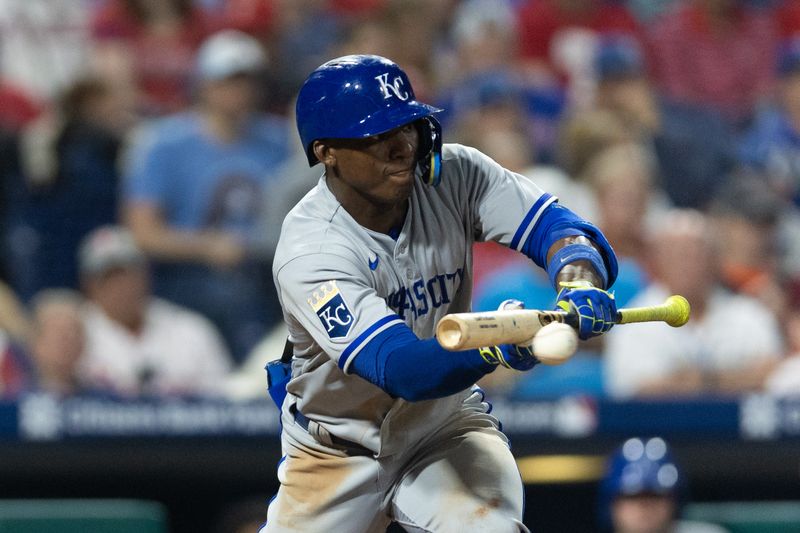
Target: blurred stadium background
(148,155)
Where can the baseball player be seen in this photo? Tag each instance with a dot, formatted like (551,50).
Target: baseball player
(643,491)
(380,423)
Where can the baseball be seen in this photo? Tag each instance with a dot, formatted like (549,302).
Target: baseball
(554,343)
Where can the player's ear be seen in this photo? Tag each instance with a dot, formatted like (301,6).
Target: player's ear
(324,152)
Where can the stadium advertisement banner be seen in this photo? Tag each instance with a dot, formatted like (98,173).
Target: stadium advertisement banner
(40,417)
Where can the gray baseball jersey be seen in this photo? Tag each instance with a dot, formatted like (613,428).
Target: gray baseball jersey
(340,284)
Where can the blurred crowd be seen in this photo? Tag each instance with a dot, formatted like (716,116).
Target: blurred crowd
(148,156)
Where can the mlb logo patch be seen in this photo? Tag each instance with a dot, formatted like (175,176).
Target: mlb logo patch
(332,310)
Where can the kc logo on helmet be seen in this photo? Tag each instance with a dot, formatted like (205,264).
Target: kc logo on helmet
(395,87)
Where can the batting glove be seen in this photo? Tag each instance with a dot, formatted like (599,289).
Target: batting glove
(518,357)
(514,356)
(595,308)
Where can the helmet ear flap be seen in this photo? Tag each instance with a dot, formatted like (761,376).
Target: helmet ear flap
(429,153)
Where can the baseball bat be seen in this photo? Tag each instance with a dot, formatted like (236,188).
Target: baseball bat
(463,331)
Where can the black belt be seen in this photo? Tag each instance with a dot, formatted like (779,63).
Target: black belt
(303,421)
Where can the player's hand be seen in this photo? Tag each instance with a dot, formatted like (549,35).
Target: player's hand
(595,308)
(518,357)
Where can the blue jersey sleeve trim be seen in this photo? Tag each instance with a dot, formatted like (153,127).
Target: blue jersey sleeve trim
(528,223)
(354,347)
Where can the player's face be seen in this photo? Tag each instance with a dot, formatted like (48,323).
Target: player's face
(378,170)
(643,513)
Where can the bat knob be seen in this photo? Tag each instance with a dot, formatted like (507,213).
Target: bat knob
(449,334)
(679,311)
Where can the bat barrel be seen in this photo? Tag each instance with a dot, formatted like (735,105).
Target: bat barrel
(674,311)
(461,331)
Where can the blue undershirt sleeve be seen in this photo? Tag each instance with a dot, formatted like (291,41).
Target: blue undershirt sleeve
(407,367)
(557,222)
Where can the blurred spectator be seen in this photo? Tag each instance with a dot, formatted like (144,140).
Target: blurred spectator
(57,343)
(138,344)
(353,8)
(15,368)
(256,17)
(15,329)
(195,191)
(9,177)
(246,382)
(646,11)
(415,38)
(784,380)
(693,147)
(772,145)
(307,30)
(497,113)
(584,134)
(483,40)
(753,226)
(19,247)
(622,179)
(147,47)
(484,34)
(557,38)
(643,490)
(71,183)
(485,74)
(746,215)
(716,53)
(729,344)
(788,17)
(294,178)
(17,108)
(368,36)
(44,46)
(14,319)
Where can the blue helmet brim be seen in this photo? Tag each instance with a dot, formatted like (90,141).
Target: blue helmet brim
(379,122)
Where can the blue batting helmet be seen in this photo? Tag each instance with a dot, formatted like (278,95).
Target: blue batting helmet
(358,96)
(639,466)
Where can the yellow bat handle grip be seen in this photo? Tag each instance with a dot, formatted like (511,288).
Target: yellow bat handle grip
(674,311)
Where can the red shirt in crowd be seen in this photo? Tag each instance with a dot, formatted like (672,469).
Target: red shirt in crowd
(540,22)
(256,17)
(16,108)
(788,17)
(726,66)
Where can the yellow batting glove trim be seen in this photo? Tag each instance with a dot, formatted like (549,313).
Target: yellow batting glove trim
(493,355)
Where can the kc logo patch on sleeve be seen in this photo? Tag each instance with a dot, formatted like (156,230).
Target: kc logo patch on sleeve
(331,309)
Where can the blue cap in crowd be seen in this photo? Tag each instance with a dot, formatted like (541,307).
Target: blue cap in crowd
(618,56)
(789,57)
